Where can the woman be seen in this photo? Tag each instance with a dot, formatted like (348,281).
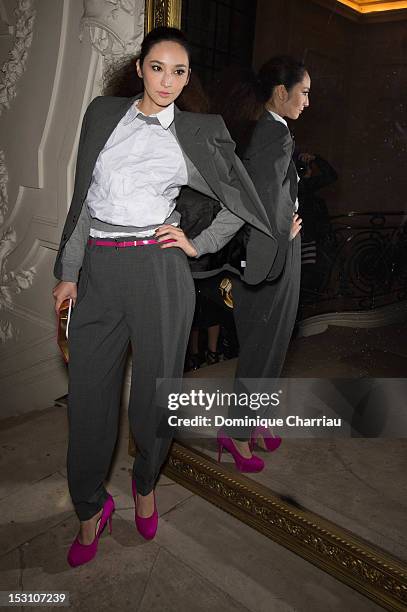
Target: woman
(265,314)
(135,287)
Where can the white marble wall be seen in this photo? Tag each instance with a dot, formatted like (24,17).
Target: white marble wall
(53,54)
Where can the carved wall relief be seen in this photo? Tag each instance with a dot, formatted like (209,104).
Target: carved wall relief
(6,29)
(116,29)
(30,226)
(14,281)
(15,65)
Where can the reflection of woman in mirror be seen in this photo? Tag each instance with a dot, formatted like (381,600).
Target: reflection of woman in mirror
(135,154)
(265,314)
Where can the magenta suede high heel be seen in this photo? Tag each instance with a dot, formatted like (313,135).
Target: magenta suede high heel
(253,464)
(83,553)
(264,439)
(146,526)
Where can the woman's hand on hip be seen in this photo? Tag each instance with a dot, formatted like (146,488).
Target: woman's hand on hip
(166,232)
(296,226)
(63,291)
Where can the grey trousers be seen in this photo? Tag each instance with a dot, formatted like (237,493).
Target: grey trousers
(265,316)
(143,296)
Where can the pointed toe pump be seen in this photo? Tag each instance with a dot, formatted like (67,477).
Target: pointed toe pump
(83,553)
(146,526)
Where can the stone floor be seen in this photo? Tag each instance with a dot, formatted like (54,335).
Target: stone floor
(201,559)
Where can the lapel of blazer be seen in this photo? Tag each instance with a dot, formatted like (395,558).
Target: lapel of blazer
(194,144)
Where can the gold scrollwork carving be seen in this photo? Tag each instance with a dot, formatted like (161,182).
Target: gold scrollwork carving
(373,572)
(162,13)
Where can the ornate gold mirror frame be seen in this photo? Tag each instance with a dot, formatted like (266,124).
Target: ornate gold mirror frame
(162,13)
(369,570)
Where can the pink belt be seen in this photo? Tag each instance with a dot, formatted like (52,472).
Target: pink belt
(129,243)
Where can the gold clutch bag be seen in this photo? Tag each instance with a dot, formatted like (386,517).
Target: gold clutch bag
(63,322)
(226,291)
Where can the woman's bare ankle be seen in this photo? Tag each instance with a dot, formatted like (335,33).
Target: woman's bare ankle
(243,447)
(88,528)
(145,504)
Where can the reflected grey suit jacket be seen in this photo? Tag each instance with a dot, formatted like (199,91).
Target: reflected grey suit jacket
(213,168)
(269,162)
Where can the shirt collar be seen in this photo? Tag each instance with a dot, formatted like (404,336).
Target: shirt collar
(278,117)
(165,117)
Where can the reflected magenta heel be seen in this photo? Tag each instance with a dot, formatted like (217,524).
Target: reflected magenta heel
(83,553)
(146,526)
(253,464)
(264,439)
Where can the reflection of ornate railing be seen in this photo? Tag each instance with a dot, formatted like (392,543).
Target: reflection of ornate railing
(361,264)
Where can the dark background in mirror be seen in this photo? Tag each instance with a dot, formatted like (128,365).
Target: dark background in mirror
(356,121)
(221,33)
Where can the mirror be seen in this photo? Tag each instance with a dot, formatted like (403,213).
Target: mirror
(348,350)
(351,324)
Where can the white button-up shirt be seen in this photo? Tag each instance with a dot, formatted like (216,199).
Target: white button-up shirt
(138,174)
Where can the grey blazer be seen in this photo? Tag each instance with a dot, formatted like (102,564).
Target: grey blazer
(268,160)
(213,169)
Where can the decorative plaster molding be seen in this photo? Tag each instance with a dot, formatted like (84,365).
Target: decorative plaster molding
(3,188)
(15,65)
(116,29)
(15,281)
(6,29)
(22,312)
(11,283)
